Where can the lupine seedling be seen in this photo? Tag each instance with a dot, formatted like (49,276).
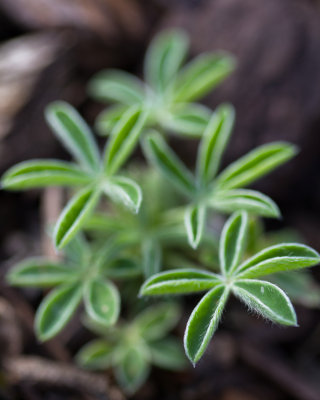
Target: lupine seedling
(93,174)
(131,348)
(169,89)
(224,192)
(236,276)
(82,276)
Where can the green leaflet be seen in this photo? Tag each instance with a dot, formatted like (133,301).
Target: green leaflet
(194,222)
(160,154)
(42,173)
(164,58)
(244,199)
(179,281)
(97,354)
(255,164)
(124,191)
(123,139)
(74,133)
(56,310)
(78,250)
(74,215)
(281,257)
(266,299)
(168,353)
(214,142)
(233,242)
(116,86)
(133,368)
(156,321)
(39,272)
(203,322)
(102,301)
(151,257)
(188,119)
(201,75)
(108,118)
(122,268)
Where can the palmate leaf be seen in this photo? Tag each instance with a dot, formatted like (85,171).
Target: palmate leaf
(74,134)
(203,322)
(179,281)
(213,143)
(156,321)
(168,353)
(160,154)
(56,310)
(42,173)
(201,75)
(102,301)
(117,86)
(255,164)
(97,354)
(194,222)
(42,273)
(124,191)
(123,139)
(233,242)
(74,216)
(266,299)
(189,120)
(244,199)
(164,57)
(281,257)
(133,368)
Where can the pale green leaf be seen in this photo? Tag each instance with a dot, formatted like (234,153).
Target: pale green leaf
(164,57)
(74,133)
(214,142)
(203,322)
(74,216)
(179,281)
(245,199)
(116,86)
(124,191)
(108,119)
(133,369)
(42,173)
(40,272)
(266,299)
(102,301)
(96,355)
(255,164)
(201,75)
(156,321)
(188,120)
(160,154)
(168,354)
(281,257)
(78,250)
(123,139)
(194,222)
(151,257)
(56,310)
(233,242)
(121,268)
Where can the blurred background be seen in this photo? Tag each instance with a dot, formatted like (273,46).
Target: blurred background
(49,49)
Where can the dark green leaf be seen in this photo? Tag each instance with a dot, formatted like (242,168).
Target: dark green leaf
(168,354)
(179,281)
(74,134)
(74,215)
(203,322)
(152,257)
(281,257)
(266,299)
(42,173)
(121,268)
(97,354)
(194,222)
(255,164)
(56,310)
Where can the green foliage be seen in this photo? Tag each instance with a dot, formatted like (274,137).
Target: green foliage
(169,90)
(131,348)
(263,297)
